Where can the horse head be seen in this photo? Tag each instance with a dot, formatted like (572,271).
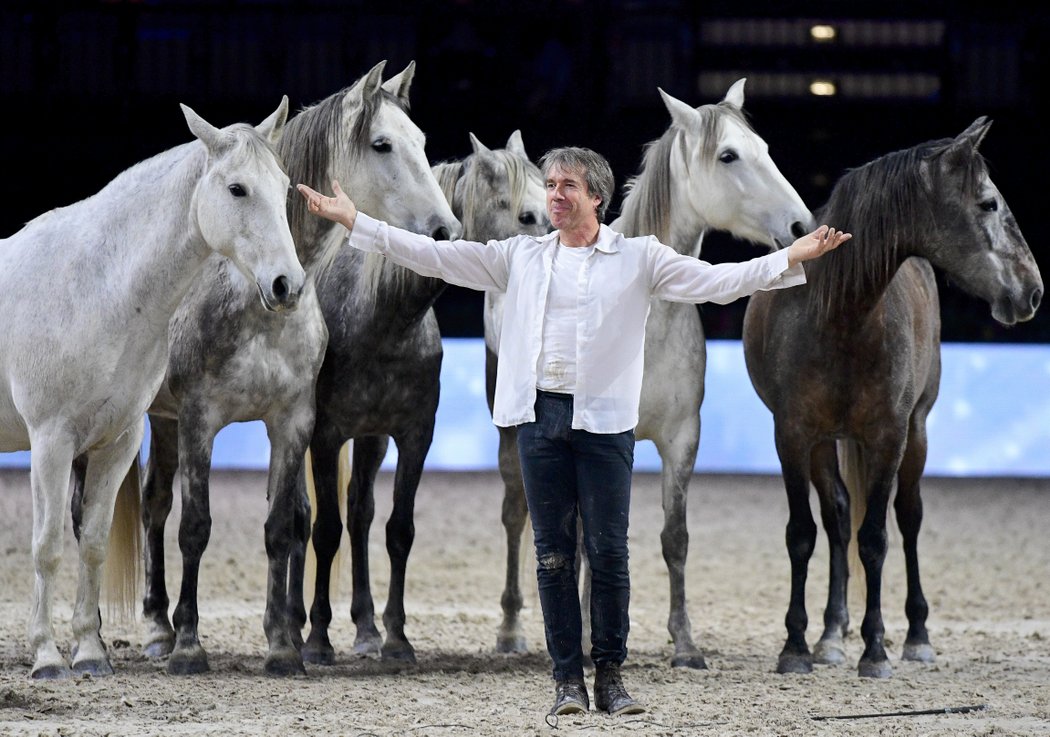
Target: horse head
(975,237)
(239,204)
(723,173)
(387,171)
(499,193)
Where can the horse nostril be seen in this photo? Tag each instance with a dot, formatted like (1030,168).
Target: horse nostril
(280,288)
(798,229)
(441,234)
(1037,297)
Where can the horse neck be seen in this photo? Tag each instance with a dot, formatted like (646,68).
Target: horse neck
(400,295)
(850,282)
(653,205)
(152,220)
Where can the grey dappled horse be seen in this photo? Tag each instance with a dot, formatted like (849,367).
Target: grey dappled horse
(854,358)
(379,378)
(232,362)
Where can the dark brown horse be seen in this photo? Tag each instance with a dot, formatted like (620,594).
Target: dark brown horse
(851,362)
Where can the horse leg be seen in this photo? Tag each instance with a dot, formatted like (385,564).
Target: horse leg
(295,610)
(801,537)
(509,637)
(106,469)
(834,512)
(327,531)
(76,502)
(908,507)
(289,435)
(401,532)
(50,461)
(360,511)
(871,545)
(678,456)
(195,445)
(157,498)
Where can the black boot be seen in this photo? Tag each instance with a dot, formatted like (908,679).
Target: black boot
(570,697)
(609,694)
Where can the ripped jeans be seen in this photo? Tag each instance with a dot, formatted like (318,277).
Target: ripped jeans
(567,472)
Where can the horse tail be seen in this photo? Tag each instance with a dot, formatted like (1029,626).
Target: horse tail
(121,573)
(343,478)
(854,475)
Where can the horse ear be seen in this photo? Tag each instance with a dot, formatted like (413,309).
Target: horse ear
(975,133)
(272,128)
(515,145)
(368,85)
(735,95)
(478,146)
(682,115)
(399,84)
(207,133)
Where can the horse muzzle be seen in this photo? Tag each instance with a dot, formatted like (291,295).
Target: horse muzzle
(281,294)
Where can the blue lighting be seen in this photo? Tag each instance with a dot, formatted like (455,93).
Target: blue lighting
(992,417)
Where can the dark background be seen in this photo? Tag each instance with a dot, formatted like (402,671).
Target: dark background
(89,88)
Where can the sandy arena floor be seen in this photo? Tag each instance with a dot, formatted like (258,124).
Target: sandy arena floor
(986,567)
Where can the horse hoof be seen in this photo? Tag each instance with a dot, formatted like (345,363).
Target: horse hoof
(183,663)
(874,669)
(399,653)
(317,655)
(829,653)
(95,668)
(368,646)
(921,652)
(795,663)
(689,660)
(51,673)
(158,648)
(284,665)
(511,645)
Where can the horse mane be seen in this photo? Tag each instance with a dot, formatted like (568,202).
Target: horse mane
(647,195)
(886,206)
(249,144)
(447,174)
(311,141)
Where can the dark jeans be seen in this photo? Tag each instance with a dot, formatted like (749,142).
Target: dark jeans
(569,472)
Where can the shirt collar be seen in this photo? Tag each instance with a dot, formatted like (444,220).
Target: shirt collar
(608,239)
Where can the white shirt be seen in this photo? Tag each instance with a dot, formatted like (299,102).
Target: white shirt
(556,368)
(617,281)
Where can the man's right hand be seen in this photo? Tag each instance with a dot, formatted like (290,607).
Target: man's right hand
(339,209)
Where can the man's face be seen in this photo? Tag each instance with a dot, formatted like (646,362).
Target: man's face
(569,204)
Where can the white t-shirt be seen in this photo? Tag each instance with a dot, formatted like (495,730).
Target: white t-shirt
(556,367)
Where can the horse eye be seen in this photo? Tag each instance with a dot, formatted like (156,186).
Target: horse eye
(989,205)
(237,190)
(527,218)
(728,157)
(381,146)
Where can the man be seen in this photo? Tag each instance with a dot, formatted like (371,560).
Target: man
(570,377)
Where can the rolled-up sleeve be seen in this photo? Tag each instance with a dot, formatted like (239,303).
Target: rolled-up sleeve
(468,264)
(678,278)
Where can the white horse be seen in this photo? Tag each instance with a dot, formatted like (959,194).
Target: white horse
(709,171)
(86,295)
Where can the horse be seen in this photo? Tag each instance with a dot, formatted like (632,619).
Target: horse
(709,170)
(87,293)
(853,360)
(379,377)
(233,362)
